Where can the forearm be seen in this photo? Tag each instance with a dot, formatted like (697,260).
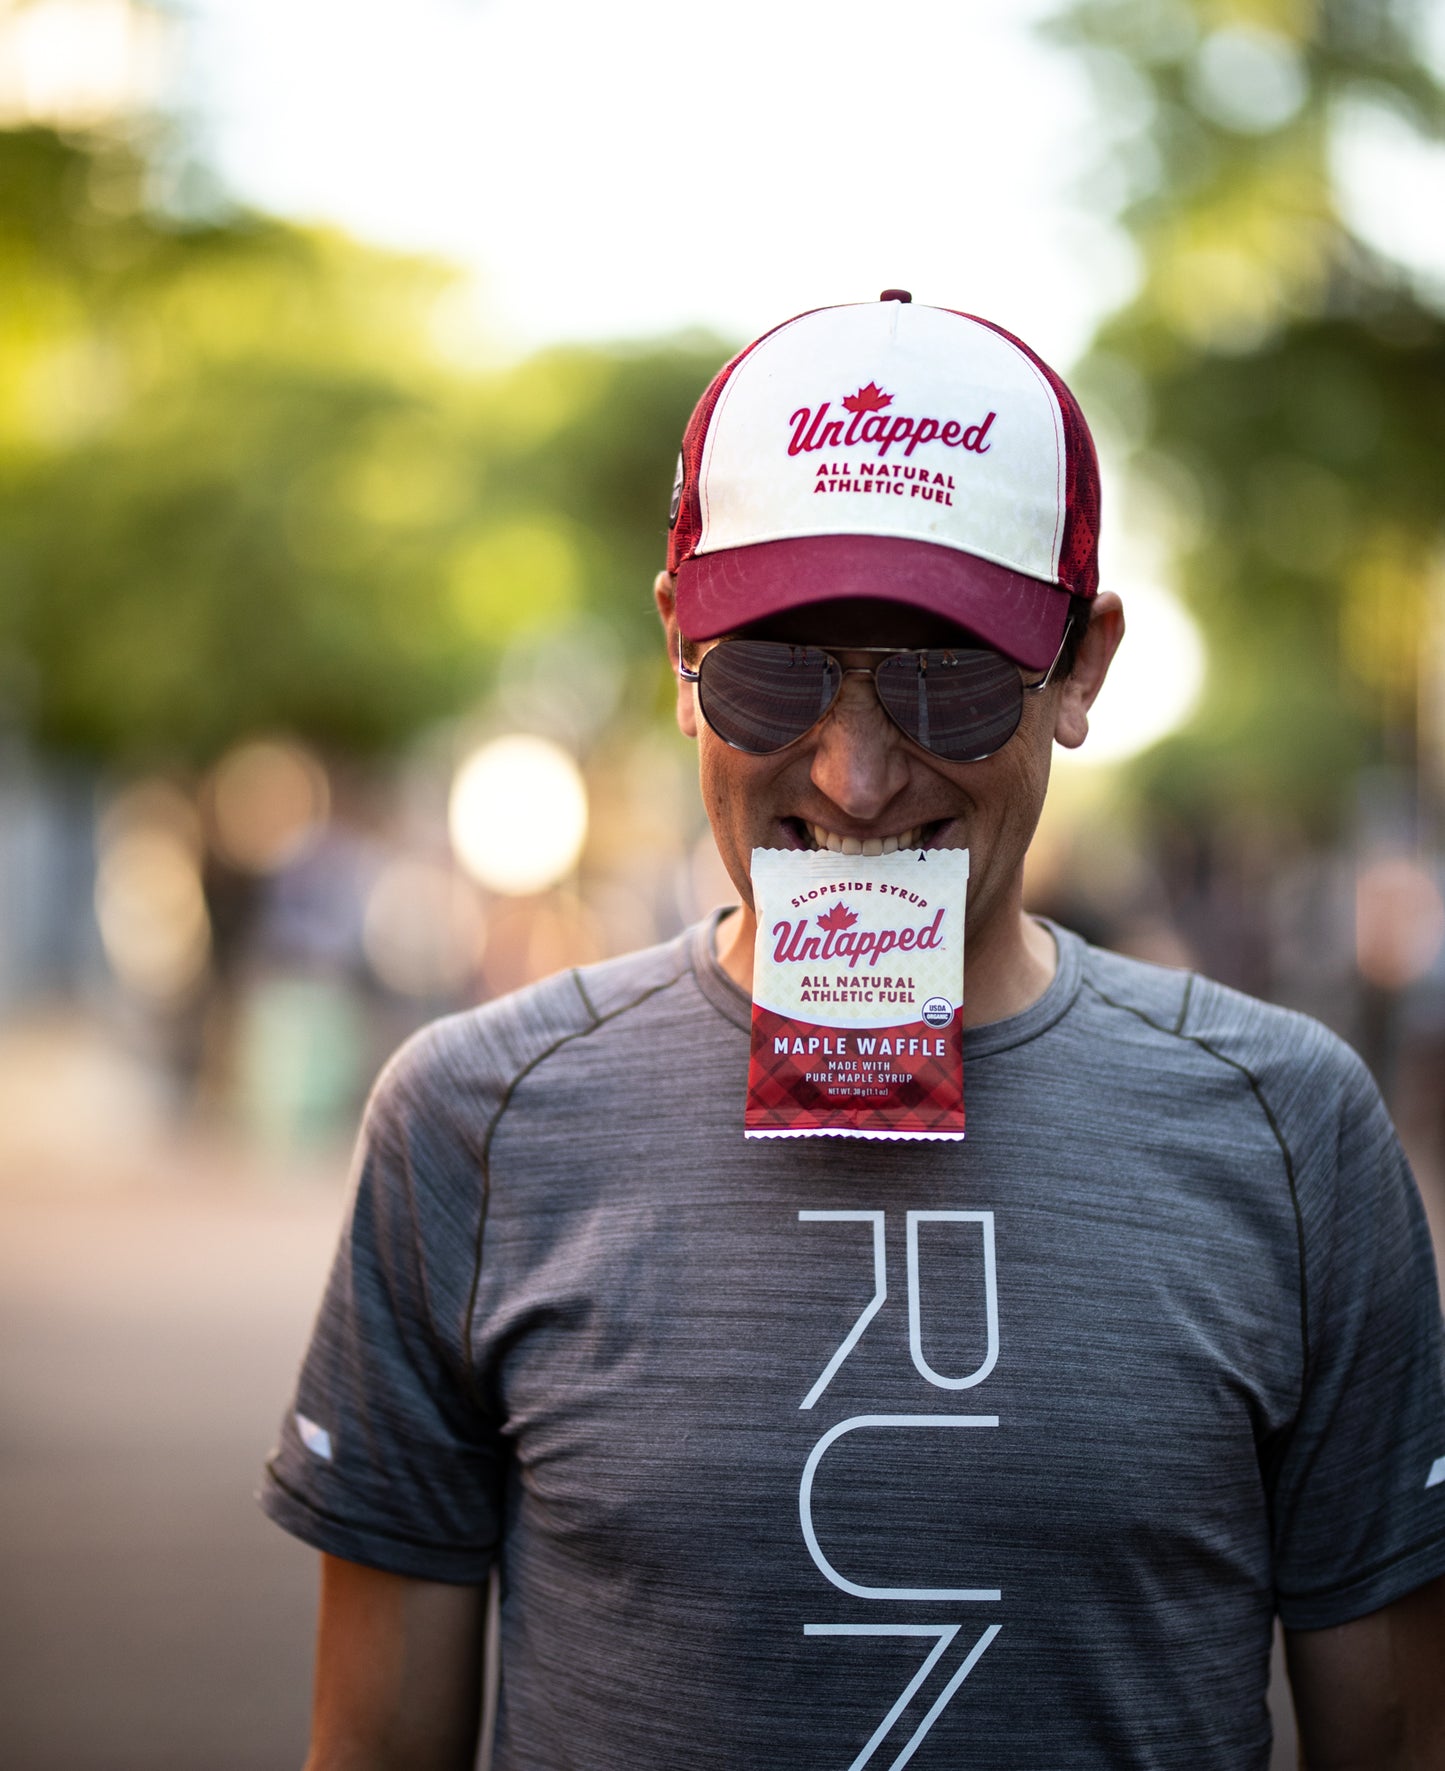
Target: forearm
(398,1673)
(1370,1695)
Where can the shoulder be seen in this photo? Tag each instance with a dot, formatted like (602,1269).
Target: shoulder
(459,1071)
(616,986)
(1304,1077)
(1240,1029)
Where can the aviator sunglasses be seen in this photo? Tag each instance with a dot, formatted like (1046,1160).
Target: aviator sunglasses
(959,703)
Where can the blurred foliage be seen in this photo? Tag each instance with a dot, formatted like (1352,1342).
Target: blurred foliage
(242,483)
(1279,385)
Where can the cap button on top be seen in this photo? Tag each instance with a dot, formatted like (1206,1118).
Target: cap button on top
(895,295)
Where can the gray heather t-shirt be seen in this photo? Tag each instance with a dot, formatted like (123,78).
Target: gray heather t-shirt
(820,1454)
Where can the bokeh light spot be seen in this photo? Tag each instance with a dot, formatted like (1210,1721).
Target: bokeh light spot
(1248,80)
(1399,923)
(269,800)
(152,911)
(76,63)
(518,814)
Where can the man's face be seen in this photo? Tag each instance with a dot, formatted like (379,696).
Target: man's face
(856,777)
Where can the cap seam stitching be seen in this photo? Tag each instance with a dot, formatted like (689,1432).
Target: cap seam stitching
(725,393)
(1060,470)
(1061,497)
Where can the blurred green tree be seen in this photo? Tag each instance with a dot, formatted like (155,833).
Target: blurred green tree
(242,484)
(1279,383)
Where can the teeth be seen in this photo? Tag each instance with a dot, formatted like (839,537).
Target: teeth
(872,845)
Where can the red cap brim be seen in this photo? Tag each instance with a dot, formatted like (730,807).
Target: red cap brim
(1020,616)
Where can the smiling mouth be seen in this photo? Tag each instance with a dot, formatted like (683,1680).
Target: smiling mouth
(817,836)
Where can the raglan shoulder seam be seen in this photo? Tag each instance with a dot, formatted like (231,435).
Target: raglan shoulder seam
(587,1001)
(1188,997)
(1257,1089)
(598,1019)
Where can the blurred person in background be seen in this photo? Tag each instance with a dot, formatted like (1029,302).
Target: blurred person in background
(683,1390)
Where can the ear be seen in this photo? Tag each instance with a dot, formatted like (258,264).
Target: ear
(1082,685)
(664,591)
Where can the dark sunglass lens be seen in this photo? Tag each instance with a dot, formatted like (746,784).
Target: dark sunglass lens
(761,696)
(962,706)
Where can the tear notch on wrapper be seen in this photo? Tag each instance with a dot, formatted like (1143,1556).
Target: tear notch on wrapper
(857,994)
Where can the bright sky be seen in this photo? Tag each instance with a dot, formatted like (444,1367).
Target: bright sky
(639,167)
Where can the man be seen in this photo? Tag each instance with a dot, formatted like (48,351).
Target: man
(828,1453)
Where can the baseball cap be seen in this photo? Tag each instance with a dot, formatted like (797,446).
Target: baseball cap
(888,449)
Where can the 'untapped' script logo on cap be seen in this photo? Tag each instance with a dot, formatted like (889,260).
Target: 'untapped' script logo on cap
(870,423)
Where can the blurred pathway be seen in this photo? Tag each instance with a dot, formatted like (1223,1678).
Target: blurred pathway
(151,1618)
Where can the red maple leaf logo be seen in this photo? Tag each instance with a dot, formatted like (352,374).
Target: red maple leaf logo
(839,917)
(868,399)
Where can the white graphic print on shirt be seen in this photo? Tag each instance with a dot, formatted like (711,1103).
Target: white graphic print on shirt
(944,1633)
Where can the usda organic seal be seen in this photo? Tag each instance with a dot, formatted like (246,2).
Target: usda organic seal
(938,1011)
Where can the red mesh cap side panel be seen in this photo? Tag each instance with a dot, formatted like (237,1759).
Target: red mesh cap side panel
(688,527)
(687,530)
(1079,546)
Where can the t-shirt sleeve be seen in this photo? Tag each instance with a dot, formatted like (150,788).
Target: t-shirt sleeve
(1358,1489)
(388,1455)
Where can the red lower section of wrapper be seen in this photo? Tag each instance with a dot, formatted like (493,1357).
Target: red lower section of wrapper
(901,1082)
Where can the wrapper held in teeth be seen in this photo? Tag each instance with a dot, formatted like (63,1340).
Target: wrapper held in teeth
(857,994)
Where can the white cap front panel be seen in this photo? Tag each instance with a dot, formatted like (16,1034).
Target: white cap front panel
(888,419)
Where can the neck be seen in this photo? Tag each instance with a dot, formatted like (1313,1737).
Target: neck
(1009,960)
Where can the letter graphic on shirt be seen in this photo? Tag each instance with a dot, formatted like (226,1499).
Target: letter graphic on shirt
(968,1595)
(880,1290)
(915,1303)
(945,1633)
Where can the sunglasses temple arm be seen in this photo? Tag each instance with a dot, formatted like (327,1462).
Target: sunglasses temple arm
(688,676)
(1048,676)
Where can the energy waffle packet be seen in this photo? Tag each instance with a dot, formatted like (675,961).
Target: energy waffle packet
(857,994)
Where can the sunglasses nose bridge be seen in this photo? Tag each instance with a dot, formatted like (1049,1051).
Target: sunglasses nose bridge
(860,698)
(890,718)
(858,715)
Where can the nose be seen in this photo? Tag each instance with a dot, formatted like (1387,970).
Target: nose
(858,753)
